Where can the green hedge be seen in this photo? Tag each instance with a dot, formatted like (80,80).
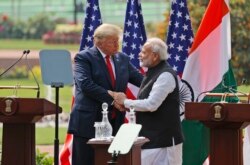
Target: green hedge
(33,28)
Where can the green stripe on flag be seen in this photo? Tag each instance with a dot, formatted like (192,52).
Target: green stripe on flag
(196,144)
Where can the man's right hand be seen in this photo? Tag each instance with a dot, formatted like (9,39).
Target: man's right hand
(118,96)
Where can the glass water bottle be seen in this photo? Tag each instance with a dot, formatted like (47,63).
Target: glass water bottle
(107,128)
(132,118)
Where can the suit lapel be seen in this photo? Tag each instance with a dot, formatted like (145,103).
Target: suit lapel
(103,66)
(117,64)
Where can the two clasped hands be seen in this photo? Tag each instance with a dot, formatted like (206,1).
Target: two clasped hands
(119,98)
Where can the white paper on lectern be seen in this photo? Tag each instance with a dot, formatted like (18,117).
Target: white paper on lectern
(125,138)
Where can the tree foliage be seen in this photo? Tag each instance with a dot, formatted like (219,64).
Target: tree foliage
(240,26)
(33,28)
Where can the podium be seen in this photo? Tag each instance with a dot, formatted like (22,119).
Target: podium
(226,121)
(133,157)
(19,116)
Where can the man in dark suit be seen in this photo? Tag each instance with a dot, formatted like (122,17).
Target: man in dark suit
(94,77)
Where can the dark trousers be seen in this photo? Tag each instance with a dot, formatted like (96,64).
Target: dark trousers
(83,153)
(117,121)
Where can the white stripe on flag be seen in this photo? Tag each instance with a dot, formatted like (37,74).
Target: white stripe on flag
(204,69)
(207,67)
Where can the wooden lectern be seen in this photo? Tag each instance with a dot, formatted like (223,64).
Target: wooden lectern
(19,116)
(226,121)
(102,156)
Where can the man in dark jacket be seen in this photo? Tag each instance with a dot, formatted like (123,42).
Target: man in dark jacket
(97,70)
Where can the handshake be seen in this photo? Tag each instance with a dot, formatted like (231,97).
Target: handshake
(119,98)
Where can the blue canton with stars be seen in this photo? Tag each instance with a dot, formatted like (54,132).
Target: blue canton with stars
(91,22)
(134,31)
(180,35)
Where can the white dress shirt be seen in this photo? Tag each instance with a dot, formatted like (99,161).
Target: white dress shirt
(164,85)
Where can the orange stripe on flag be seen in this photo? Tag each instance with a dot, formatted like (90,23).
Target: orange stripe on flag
(210,21)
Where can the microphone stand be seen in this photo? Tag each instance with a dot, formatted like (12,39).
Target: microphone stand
(19,87)
(16,87)
(207,93)
(114,158)
(238,94)
(29,68)
(24,52)
(56,85)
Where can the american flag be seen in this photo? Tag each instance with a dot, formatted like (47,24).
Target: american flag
(134,32)
(179,36)
(134,37)
(91,21)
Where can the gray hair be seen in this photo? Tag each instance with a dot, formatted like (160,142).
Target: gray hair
(106,30)
(158,46)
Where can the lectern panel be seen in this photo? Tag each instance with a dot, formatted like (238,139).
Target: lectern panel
(226,121)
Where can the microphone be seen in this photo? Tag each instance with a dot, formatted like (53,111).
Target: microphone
(27,52)
(33,75)
(24,52)
(235,91)
(244,81)
(231,89)
(197,98)
(223,87)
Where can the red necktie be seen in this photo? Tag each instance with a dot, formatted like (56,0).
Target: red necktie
(110,70)
(111,74)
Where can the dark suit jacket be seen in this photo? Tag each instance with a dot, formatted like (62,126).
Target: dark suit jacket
(91,84)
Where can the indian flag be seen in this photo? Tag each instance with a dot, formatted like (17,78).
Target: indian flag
(207,66)
(209,57)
